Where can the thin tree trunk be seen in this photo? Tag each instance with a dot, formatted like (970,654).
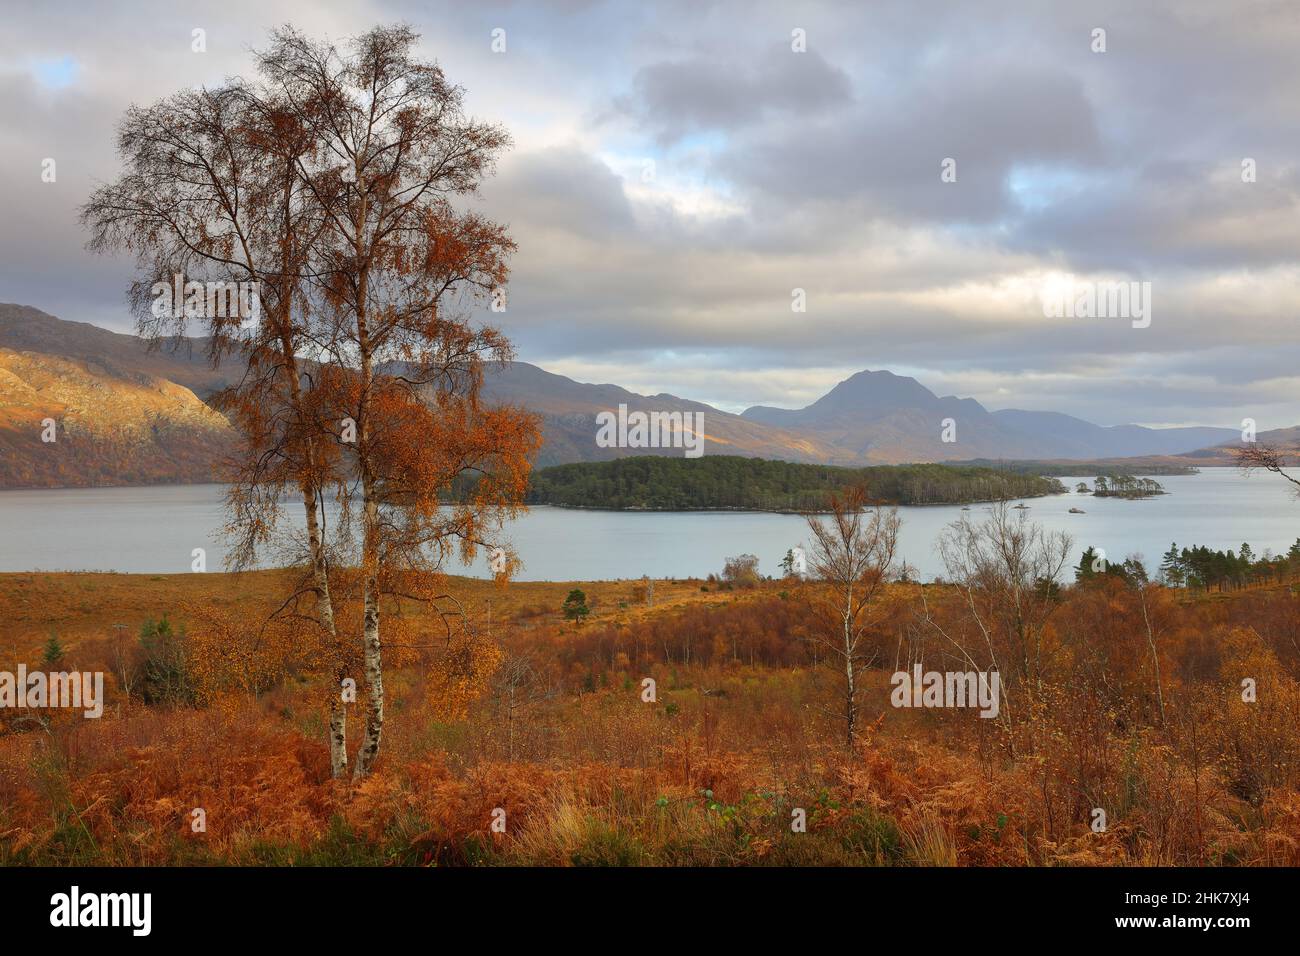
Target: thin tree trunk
(338,732)
(320,569)
(850,704)
(370,560)
(371,556)
(1155,658)
(371,656)
(374,680)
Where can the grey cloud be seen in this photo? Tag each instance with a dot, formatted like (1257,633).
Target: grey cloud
(886,157)
(560,189)
(723,92)
(1193,215)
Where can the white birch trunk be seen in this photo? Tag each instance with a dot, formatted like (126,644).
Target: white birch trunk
(371,657)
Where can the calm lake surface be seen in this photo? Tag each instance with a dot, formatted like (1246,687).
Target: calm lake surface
(154,530)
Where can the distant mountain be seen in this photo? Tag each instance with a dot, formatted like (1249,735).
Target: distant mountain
(883,417)
(1086,440)
(865,396)
(569,425)
(1285,440)
(24,329)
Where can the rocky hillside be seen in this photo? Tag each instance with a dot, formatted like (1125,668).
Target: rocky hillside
(115,422)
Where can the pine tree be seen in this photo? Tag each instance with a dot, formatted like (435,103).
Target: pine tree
(1085,570)
(575,605)
(53,650)
(1172,570)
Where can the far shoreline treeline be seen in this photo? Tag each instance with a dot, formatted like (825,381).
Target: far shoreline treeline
(734,483)
(1100,466)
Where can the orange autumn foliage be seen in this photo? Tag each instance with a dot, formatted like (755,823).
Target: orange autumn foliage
(709,774)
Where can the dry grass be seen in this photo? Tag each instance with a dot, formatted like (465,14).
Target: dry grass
(709,774)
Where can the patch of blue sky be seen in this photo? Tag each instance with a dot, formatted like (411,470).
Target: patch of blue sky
(56,73)
(684,166)
(1038,187)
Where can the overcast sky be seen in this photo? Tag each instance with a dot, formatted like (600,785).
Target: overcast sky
(679,169)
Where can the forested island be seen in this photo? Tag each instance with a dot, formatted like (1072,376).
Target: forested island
(1123,486)
(732,483)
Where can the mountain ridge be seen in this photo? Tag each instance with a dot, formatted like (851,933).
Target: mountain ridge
(886,406)
(149,401)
